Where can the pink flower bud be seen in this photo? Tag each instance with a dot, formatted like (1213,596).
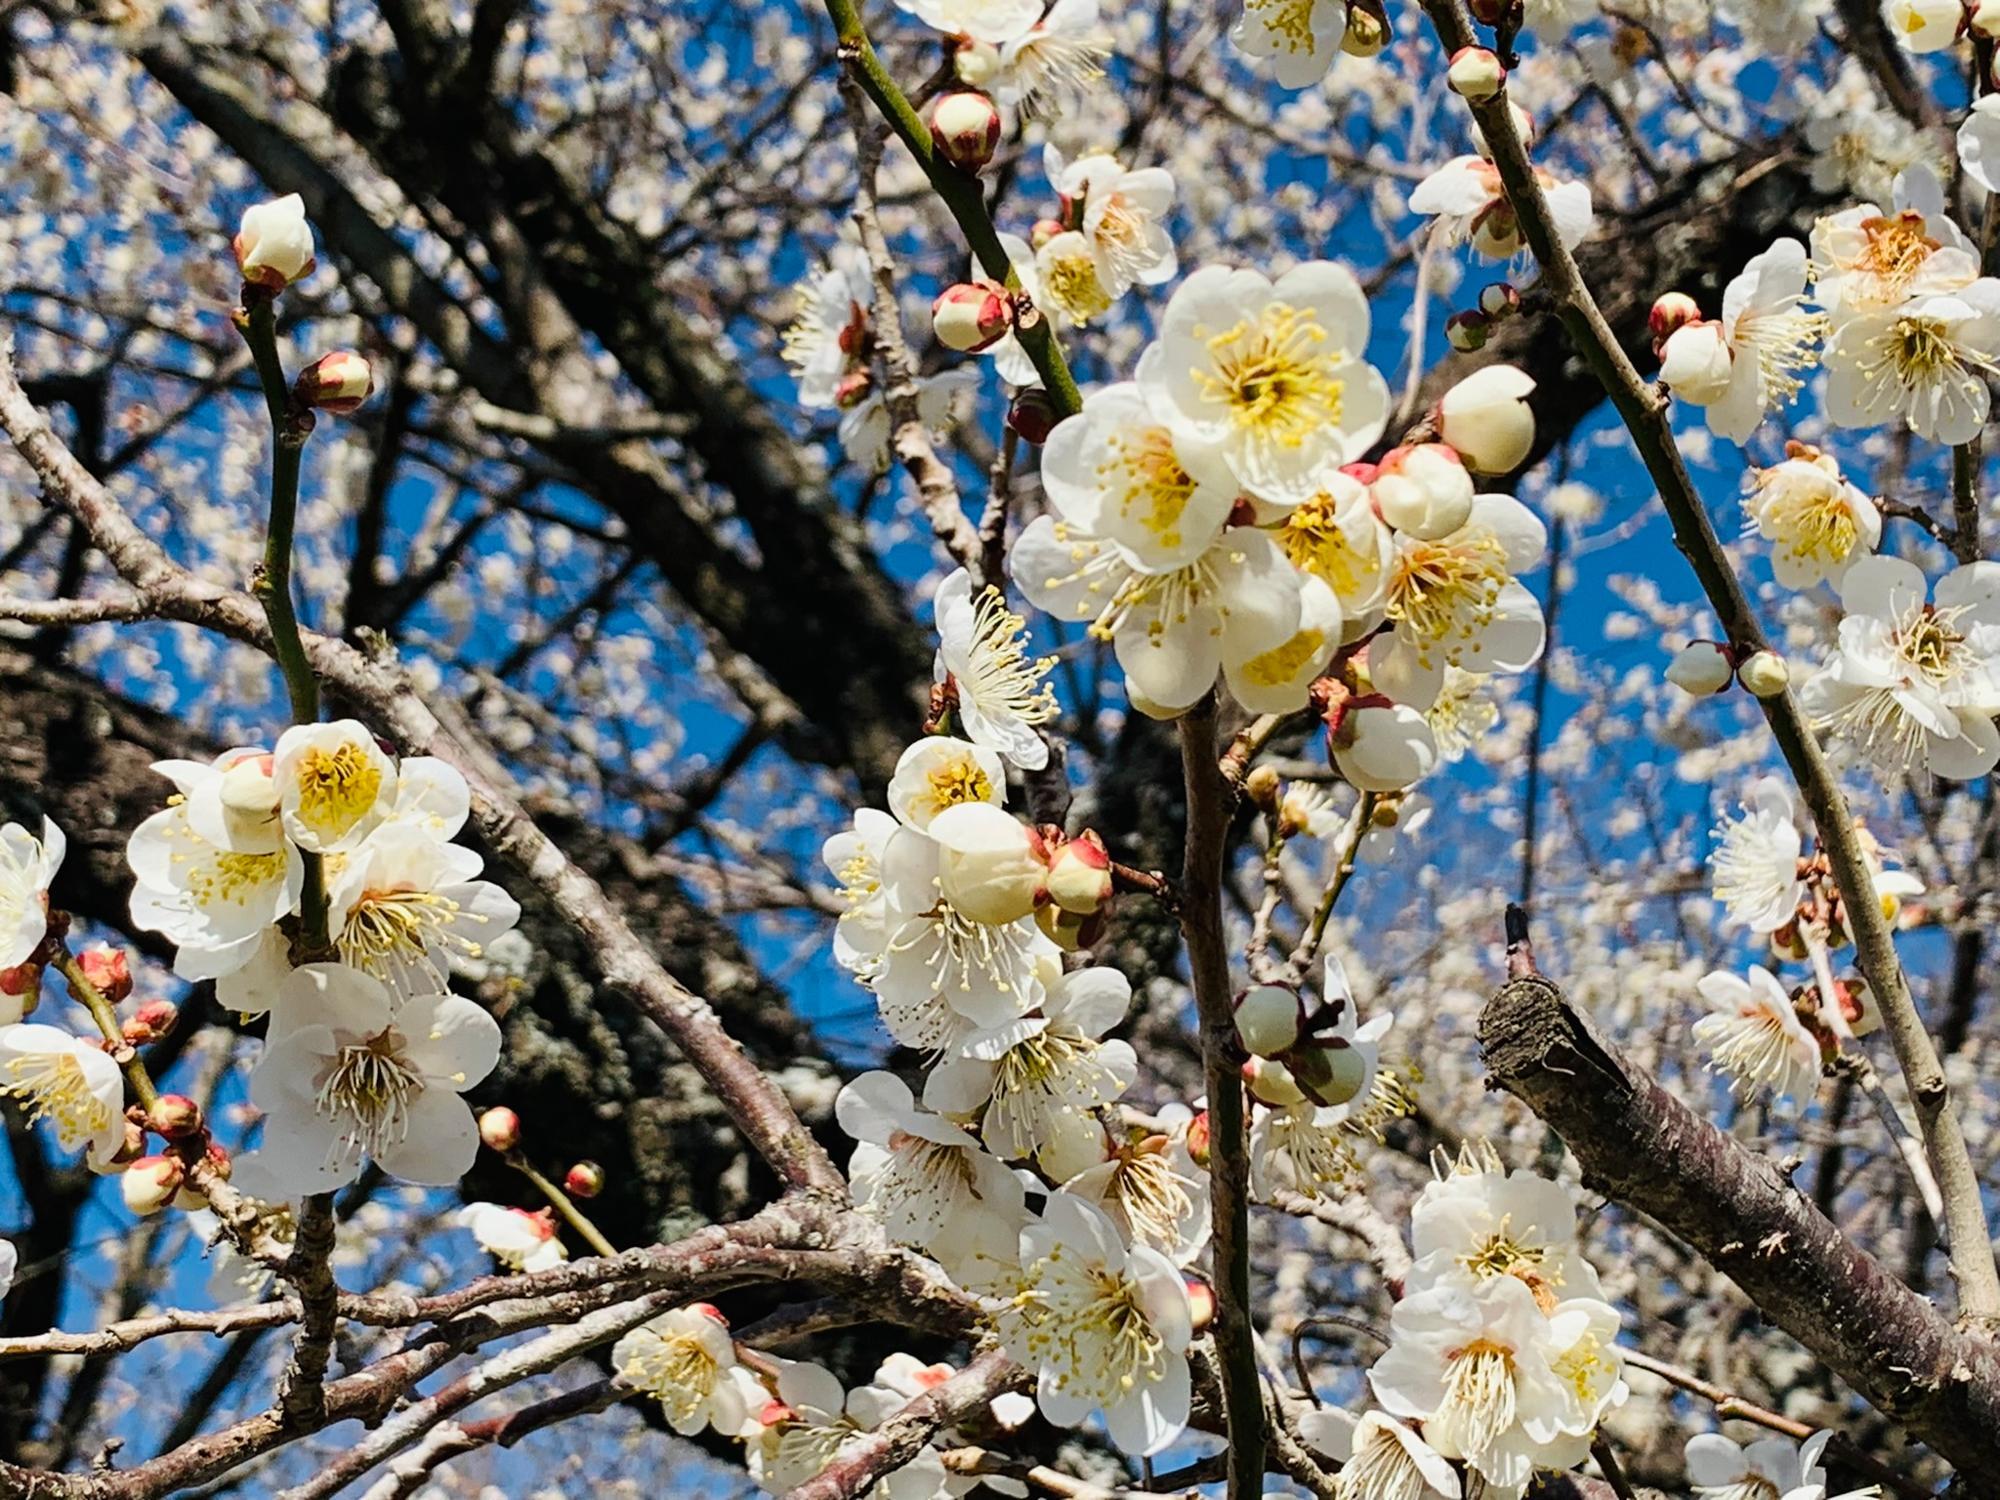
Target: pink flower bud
(1198,1138)
(151,1183)
(338,382)
(107,970)
(174,1116)
(153,1021)
(710,1311)
(965,128)
(1080,874)
(21,979)
(500,1128)
(1269,1018)
(584,1180)
(1423,490)
(1468,330)
(1033,416)
(972,315)
(1670,314)
(1475,74)
(1499,299)
(1045,230)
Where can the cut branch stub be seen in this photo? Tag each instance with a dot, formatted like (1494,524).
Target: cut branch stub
(1642,1147)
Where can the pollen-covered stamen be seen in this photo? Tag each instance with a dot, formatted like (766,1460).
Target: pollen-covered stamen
(1276,378)
(1814,520)
(1502,1254)
(1479,1401)
(860,880)
(1145,482)
(1446,591)
(1321,1159)
(923,1180)
(1315,541)
(958,781)
(1382,1469)
(1087,1326)
(1038,1077)
(336,787)
(1287,22)
(1071,284)
(1154,1198)
(675,1370)
(1895,251)
(370,1085)
(1753,1047)
(390,928)
(1782,340)
(1120,233)
(1050,64)
(961,947)
(52,1086)
(1001,677)
(219,875)
(1928,639)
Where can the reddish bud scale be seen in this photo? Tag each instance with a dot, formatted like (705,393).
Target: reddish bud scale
(1033,416)
(584,1180)
(107,970)
(151,1022)
(175,1116)
(338,383)
(21,979)
(972,315)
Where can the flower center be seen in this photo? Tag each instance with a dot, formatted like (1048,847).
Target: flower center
(957,782)
(1072,285)
(1447,590)
(387,928)
(1154,1197)
(219,875)
(1048,64)
(1286,22)
(860,880)
(1478,1396)
(1813,520)
(1920,350)
(1314,540)
(1146,482)
(1000,677)
(336,788)
(1782,340)
(1275,377)
(52,1086)
(1930,644)
(676,1371)
(1381,1469)
(1896,250)
(371,1085)
(1087,1325)
(1500,1254)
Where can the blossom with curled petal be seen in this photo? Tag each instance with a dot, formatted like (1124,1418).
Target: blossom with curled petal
(1753,1033)
(1749,362)
(518,1239)
(685,1360)
(1122,217)
(1380,1458)
(69,1084)
(27,865)
(1755,865)
(982,652)
(1818,523)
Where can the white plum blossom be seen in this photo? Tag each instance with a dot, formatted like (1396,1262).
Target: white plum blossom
(1925,363)
(982,652)
(335,783)
(1153,1190)
(939,771)
(1335,535)
(854,855)
(405,905)
(518,1239)
(1721,1469)
(1753,1033)
(822,340)
(1379,1457)
(1755,865)
(1979,143)
(1470,204)
(1478,1221)
(1277,680)
(991,866)
(349,1073)
(73,1086)
(1269,374)
(1105,1326)
(1042,1078)
(1300,38)
(27,865)
(1383,746)
(684,1359)
(1869,261)
(1749,362)
(1925,25)
(1122,217)
(1457,602)
(982,20)
(932,1186)
(1054,62)
(865,426)
(274,243)
(813,1419)
(1818,523)
(1915,682)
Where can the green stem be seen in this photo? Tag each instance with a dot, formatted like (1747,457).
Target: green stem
(576,1218)
(959,190)
(105,1014)
(273,587)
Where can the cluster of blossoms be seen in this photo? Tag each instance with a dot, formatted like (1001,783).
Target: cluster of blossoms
(1758,1032)
(1772,1468)
(1503,1353)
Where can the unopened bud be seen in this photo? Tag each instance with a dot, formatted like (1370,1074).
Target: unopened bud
(153,1021)
(1033,416)
(1272,1083)
(150,1183)
(21,979)
(975,62)
(1701,668)
(1068,930)
(107,970)
(274,244)
(1367,29)
(972,315)
(965,129)
(1268,1019)
(1468,330)
(1670,314)
(174,1116)
(1261,787)
(1201,1301)
(1329,1075)
(1499,299)
(584,1180)
(500,1128)
(1475,74)
(1765,674)
(1080,874)
(1198,1139)
(1045,230)
(338,382)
